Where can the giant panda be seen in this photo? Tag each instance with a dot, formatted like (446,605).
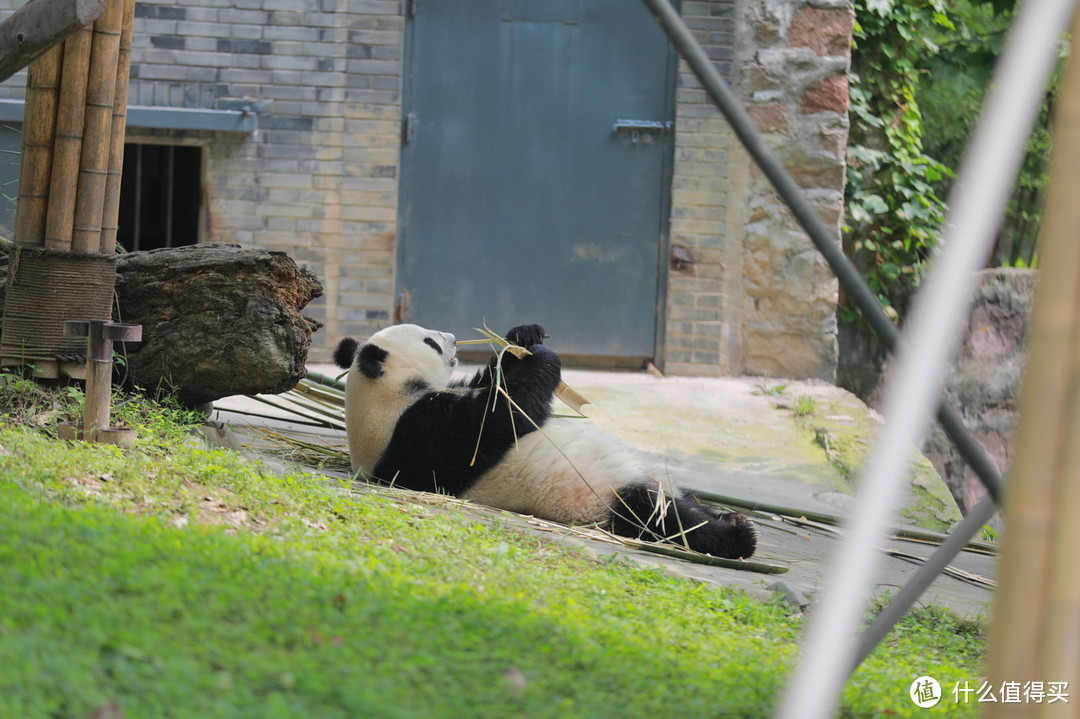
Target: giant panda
(409,424)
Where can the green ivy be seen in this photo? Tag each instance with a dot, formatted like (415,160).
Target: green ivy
(893,212)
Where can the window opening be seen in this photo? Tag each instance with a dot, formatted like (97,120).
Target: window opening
(160,196)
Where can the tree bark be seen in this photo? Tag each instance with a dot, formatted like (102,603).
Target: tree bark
(217,320)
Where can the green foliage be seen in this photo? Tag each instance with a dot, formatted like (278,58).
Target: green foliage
(894,212)
(956,81)
(174,580)
(920,71)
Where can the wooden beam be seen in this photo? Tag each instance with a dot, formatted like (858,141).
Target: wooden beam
(37,26)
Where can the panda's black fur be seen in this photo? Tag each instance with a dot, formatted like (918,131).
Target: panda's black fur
(410,425)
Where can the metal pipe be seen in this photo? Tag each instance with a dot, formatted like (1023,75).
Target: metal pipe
(849,277)
(922,579)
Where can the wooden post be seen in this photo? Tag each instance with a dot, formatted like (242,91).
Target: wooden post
(100,335)
(1037,608)
(39,25)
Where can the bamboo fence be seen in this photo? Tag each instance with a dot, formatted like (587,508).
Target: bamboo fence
(111,215)
(63,264)
(67,147)
(1034,638)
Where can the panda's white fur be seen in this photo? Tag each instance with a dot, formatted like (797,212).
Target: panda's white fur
(560,473)
(410,424)
(372,408)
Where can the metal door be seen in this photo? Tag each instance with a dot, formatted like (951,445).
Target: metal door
(535,170)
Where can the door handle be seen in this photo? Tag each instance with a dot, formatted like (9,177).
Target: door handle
(641,130)
(651,126)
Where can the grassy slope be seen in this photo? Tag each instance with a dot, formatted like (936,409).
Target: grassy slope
(174,581)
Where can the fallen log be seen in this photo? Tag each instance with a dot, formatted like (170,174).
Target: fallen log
(218,320)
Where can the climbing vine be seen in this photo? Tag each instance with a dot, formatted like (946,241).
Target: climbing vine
(894,214)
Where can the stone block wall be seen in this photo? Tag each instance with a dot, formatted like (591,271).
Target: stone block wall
(746,292)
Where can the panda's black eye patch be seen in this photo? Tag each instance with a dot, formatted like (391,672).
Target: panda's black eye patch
(433,344)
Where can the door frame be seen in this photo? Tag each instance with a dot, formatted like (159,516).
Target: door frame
(401,299)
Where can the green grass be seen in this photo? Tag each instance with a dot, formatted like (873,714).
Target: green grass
(171,580)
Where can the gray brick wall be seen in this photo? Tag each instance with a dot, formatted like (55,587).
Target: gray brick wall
(319,178)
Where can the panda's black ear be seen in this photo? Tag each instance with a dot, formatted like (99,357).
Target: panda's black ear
(345,352)
(371,359)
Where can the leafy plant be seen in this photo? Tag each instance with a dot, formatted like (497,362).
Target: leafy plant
(804,406)
(893,210)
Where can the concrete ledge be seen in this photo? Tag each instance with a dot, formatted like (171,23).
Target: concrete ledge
(166,118)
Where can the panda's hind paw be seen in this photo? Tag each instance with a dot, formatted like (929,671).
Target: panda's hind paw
(742,535)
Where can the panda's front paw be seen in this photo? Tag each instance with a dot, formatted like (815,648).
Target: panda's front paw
(526,335)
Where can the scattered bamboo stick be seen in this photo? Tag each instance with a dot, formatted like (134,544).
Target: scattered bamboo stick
(110,219)
(925,536)
(97,129)
(68,146)
(39,128)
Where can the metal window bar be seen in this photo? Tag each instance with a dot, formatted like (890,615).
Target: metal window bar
(863,298)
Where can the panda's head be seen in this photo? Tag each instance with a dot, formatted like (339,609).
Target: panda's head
(404,354)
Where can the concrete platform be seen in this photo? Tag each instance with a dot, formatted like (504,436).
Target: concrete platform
(777,442)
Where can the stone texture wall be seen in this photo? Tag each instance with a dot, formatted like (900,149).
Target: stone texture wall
(795,83)
(983,384)
(746,292)
(985,381)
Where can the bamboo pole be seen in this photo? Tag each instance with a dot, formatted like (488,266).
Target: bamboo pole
(97,132)
(39,128)
(110,220)
(68,146)
(1037,610)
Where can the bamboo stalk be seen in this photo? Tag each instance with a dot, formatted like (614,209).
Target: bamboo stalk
(110,220)
(39,129)
(97,129)
(63,181)
(1037,612)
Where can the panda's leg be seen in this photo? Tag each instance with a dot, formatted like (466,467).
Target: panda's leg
(635,513)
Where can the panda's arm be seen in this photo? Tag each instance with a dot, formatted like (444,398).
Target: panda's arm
(505,364)
(486,412)
(447,439)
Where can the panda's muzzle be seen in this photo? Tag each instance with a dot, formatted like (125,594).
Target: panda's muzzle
(450,350)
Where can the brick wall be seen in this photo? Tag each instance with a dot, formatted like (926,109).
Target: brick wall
(704,303)
(319,178)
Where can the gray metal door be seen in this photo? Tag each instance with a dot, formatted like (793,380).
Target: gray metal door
(535,170)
